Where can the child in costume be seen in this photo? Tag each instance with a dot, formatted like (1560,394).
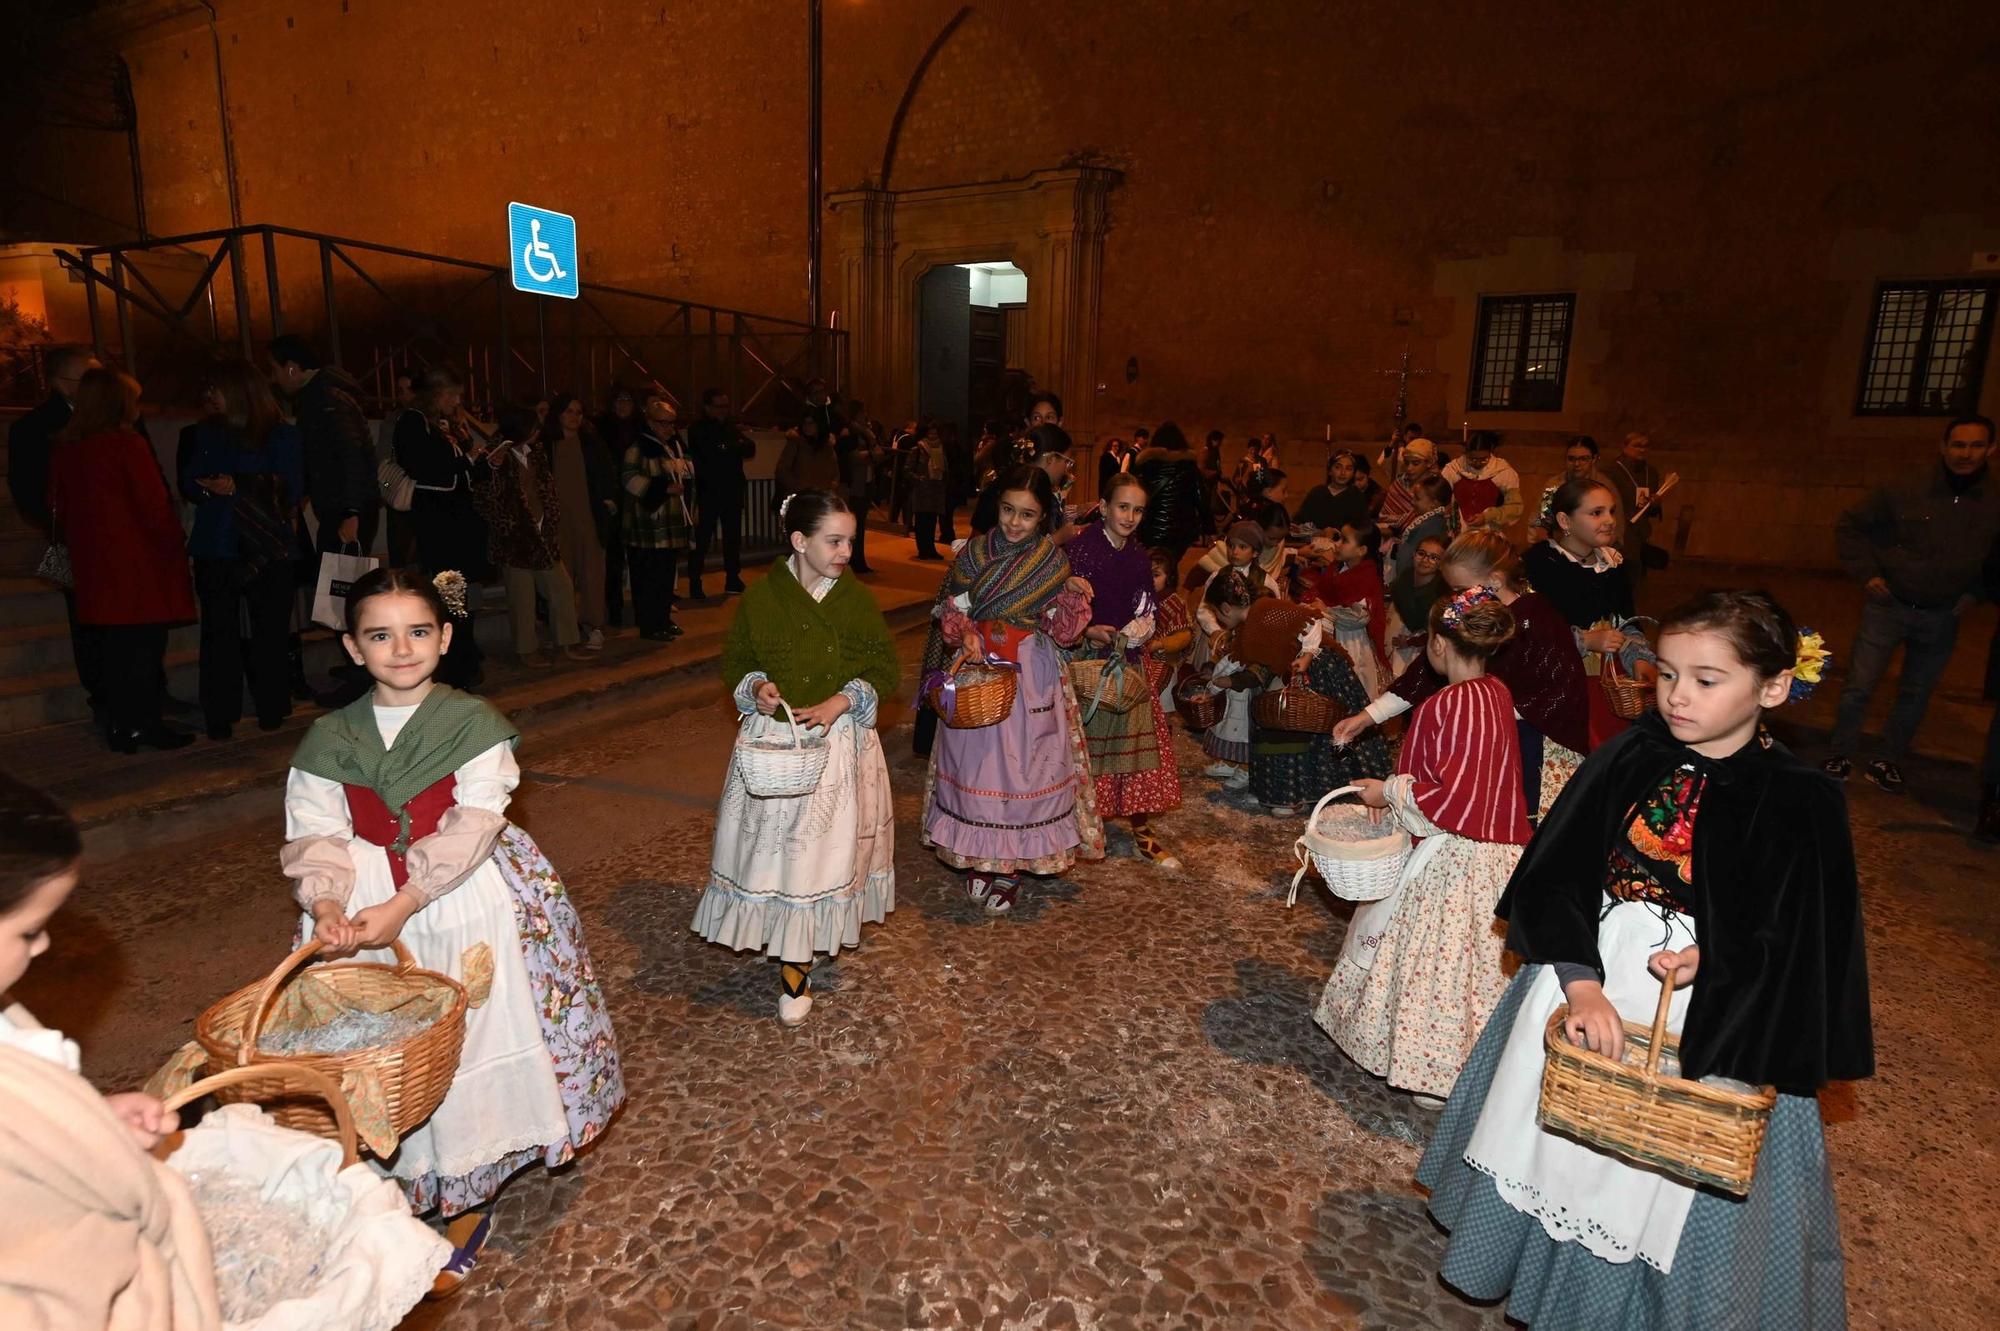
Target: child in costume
(1412,1013)
(1015,797)
(396,827)
(1352,592)
(797,877)
(1131,753)
(1411,597)
(1693,847)
(1582,573)
(1224,604)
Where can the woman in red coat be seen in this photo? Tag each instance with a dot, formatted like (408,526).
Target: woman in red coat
(126,550)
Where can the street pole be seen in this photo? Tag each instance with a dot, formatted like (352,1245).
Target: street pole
(813,63)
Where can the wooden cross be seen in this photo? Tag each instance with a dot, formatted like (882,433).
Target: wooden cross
(1403,375)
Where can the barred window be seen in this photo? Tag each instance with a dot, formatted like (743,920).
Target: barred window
(1926,348)
(1520,355)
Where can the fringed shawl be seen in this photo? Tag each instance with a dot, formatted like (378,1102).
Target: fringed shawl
(1013,583)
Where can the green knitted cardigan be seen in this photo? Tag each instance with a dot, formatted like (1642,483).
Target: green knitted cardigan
(810,649)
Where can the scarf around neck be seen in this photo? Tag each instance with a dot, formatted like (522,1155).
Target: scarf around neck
(447,730)
(1009,582)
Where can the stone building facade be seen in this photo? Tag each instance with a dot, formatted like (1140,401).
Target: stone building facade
(1236,214)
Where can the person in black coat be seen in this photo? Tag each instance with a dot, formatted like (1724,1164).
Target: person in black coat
(442,456)
(720,448)
(1174,494)
(339,444)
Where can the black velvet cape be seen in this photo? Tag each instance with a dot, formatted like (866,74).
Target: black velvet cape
(1781,995)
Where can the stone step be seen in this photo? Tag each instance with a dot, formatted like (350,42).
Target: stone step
(27,649)
(28,600)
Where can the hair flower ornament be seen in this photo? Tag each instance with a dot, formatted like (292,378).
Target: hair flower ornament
(450,586)
(1809,668)
(1477,594)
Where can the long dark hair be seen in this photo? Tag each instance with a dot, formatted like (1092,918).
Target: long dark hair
(1035,481)
(246,401)
(38,840)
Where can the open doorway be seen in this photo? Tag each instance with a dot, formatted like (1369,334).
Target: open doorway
(970,321)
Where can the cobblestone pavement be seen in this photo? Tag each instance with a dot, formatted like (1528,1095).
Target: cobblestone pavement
(1110,1110)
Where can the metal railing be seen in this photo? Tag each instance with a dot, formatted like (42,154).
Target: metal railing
(383,310)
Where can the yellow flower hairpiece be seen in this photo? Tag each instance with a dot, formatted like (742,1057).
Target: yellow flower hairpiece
(1809,666)
(450,586)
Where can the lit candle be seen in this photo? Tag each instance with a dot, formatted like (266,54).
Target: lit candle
(1464,432)
(1329,432)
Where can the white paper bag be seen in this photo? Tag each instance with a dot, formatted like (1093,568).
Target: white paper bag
(336,573)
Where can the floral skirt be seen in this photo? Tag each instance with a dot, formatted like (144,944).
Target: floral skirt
(1414,1015)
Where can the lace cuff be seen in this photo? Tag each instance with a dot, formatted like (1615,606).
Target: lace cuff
(1386,708)
(746,691)
(861,702)
(441,861)
(321,868)
(1401,793)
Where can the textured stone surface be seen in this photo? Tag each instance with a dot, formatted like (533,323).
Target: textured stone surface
(1110,1110)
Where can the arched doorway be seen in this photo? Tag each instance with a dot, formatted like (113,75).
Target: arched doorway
(1050,225)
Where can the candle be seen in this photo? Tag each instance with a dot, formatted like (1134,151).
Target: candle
(1329,432)
(1464,432)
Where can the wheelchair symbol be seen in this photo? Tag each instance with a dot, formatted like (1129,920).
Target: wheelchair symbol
(536,256)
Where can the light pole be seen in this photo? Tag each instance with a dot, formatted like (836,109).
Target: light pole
(813,63)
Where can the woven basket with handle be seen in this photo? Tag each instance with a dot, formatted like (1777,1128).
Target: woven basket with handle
(1110,683)
(1636,1109)
(291,1077)
(780,766)
(1629,699)
(1296,708)
(981,695)
(1356,861)
(1198,706)
(414,1072)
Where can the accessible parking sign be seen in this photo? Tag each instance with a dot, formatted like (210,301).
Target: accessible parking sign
(543,243)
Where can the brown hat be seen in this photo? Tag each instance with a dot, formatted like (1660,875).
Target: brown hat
(1248,533)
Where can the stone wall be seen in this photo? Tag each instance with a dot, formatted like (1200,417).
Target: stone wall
(1305,189)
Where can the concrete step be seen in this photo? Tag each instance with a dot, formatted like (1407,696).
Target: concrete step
(27,649)
(26,600)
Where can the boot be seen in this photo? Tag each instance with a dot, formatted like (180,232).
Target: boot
(1988,826)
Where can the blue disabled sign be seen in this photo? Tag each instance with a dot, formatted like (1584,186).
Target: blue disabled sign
(544,247)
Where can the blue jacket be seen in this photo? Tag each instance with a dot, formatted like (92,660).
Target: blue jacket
(220,450)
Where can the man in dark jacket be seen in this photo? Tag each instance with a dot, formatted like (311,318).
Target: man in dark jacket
(30,444)
(1917,547)
(720,448)
(339,443)
(1174,500)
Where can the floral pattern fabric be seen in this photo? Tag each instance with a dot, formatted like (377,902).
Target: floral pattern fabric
(576,1027)
(1656,855)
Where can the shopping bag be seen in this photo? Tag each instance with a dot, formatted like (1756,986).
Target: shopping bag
(337,572)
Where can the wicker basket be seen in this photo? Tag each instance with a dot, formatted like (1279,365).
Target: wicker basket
(977,695)
(1108,682)
(1198,706)
(1355,868)
(291,1076)
(1701,1134)
(1296,708)
(1629,699)
(774,769)
(414,1073)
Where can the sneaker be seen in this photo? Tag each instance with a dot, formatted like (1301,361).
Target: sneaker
(1886,776)
(1432,1103)
(734,587)
(1238,779)
(467,1234)
(1281,810)
(1000,899)
(792,1011)
(1839,767)
(1221,771)
(977,885)
(595,641)
(673,630)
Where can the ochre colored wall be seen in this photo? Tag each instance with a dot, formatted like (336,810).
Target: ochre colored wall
(1306,187)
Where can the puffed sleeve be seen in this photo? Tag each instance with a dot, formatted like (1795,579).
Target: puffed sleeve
(318,829)
(861,702)
(467,832)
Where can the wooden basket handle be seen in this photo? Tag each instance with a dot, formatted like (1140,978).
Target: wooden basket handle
(253,1025)
(318,1083)
(1656,1043)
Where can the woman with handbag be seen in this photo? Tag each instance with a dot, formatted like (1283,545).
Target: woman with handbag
(110,506)
(1695,851)
(244,472)
(1580,570)
(796,876)
(1015,797)
(1131,750)
(1411,1012)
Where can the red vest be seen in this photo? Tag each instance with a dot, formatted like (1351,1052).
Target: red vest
(377,824)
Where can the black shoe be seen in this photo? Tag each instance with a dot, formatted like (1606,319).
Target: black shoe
(695,593)
(1886,775)
(674,630)
(268,726)
(656,635)
(1839,767)
(1988,826)
(734,587)
(221,732)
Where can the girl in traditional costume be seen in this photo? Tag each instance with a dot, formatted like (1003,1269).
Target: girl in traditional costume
(1225,602)
(1015,797)
(1352,592)
(1131,753)
(1411,1014)
(1693,846)
(797,877)
(1580,570)
(1539,665)
(396,827)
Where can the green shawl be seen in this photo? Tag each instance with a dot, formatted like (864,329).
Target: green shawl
(448,730)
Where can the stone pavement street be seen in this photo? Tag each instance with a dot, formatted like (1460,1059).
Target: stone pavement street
(1110,1110)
